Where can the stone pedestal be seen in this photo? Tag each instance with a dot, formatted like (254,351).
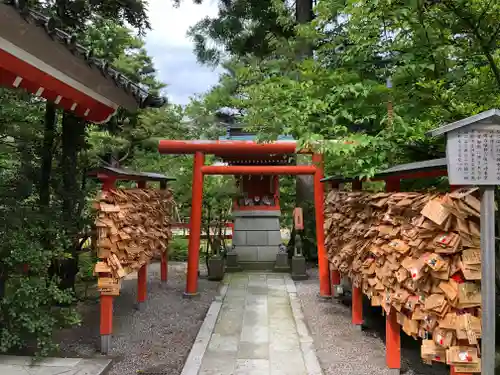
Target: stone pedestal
(105,344)
(281,264)
(256,238)
(215,268)
(299,268)
(232,262)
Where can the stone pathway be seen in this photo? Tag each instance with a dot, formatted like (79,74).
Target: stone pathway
(18,365)
(255,328)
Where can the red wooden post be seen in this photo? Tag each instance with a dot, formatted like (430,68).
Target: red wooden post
(164,254)
(392,341)
(276,191)
(335,280)
(357,307)
(106,301)
(324,269)
(142,274)
(334,274)
(195,229)
(108,183)
(357,184)
(392,327)
(164,265)
(357,293)
(106,326)
(393,184)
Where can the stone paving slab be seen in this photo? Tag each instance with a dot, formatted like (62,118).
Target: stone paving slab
(259,331)
(21,365)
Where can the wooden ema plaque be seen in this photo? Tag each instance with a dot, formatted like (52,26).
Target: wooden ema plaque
(298,220)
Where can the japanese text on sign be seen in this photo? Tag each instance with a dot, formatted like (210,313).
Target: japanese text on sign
(474,155)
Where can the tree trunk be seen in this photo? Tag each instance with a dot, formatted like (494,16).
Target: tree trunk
(304,14)
(304,184)
(46,155)
(73,131)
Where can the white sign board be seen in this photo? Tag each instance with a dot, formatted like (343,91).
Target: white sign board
(473,154)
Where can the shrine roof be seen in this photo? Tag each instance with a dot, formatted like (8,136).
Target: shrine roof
(37,56)
(486,117)
(252,137)
(129,175)
(400,169)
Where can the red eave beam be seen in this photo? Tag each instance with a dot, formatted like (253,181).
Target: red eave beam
(167,146)
(258,170)
(401,176)
(409,175)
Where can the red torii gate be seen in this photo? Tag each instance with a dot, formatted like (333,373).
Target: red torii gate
(243,150)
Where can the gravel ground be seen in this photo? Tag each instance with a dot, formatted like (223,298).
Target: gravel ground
(343,351)
(156,339)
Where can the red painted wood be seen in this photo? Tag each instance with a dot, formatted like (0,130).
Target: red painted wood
(357,293)
(106,302)
(416,175)
(106,323)
(335,277)
(392,327)
(259,170)
(33,79)
(164,266)
(392,341)
(141,184)
(334,185)
(393,184)
(241,149)
(405,176)
(195,231)
(108,183)
(357,306)
(325,289)
(357,185)
(142,280)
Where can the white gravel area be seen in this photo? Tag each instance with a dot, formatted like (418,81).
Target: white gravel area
(155,340)
(341,349)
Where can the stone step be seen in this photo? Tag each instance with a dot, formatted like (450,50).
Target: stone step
(23,365)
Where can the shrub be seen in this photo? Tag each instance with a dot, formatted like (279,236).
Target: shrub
(28,300)
(178,249)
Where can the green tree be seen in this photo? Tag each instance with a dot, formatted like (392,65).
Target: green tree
(240,28)
(440,57)
(341,93)
(44,212)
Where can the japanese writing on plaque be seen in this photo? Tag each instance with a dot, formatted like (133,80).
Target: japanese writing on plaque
(473,155)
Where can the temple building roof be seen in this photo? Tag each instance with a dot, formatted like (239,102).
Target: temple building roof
(237,132)
(48,62)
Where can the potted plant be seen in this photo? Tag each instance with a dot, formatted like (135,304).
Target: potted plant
(217,204)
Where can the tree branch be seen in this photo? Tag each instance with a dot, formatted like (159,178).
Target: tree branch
(477,34)
(494,36)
